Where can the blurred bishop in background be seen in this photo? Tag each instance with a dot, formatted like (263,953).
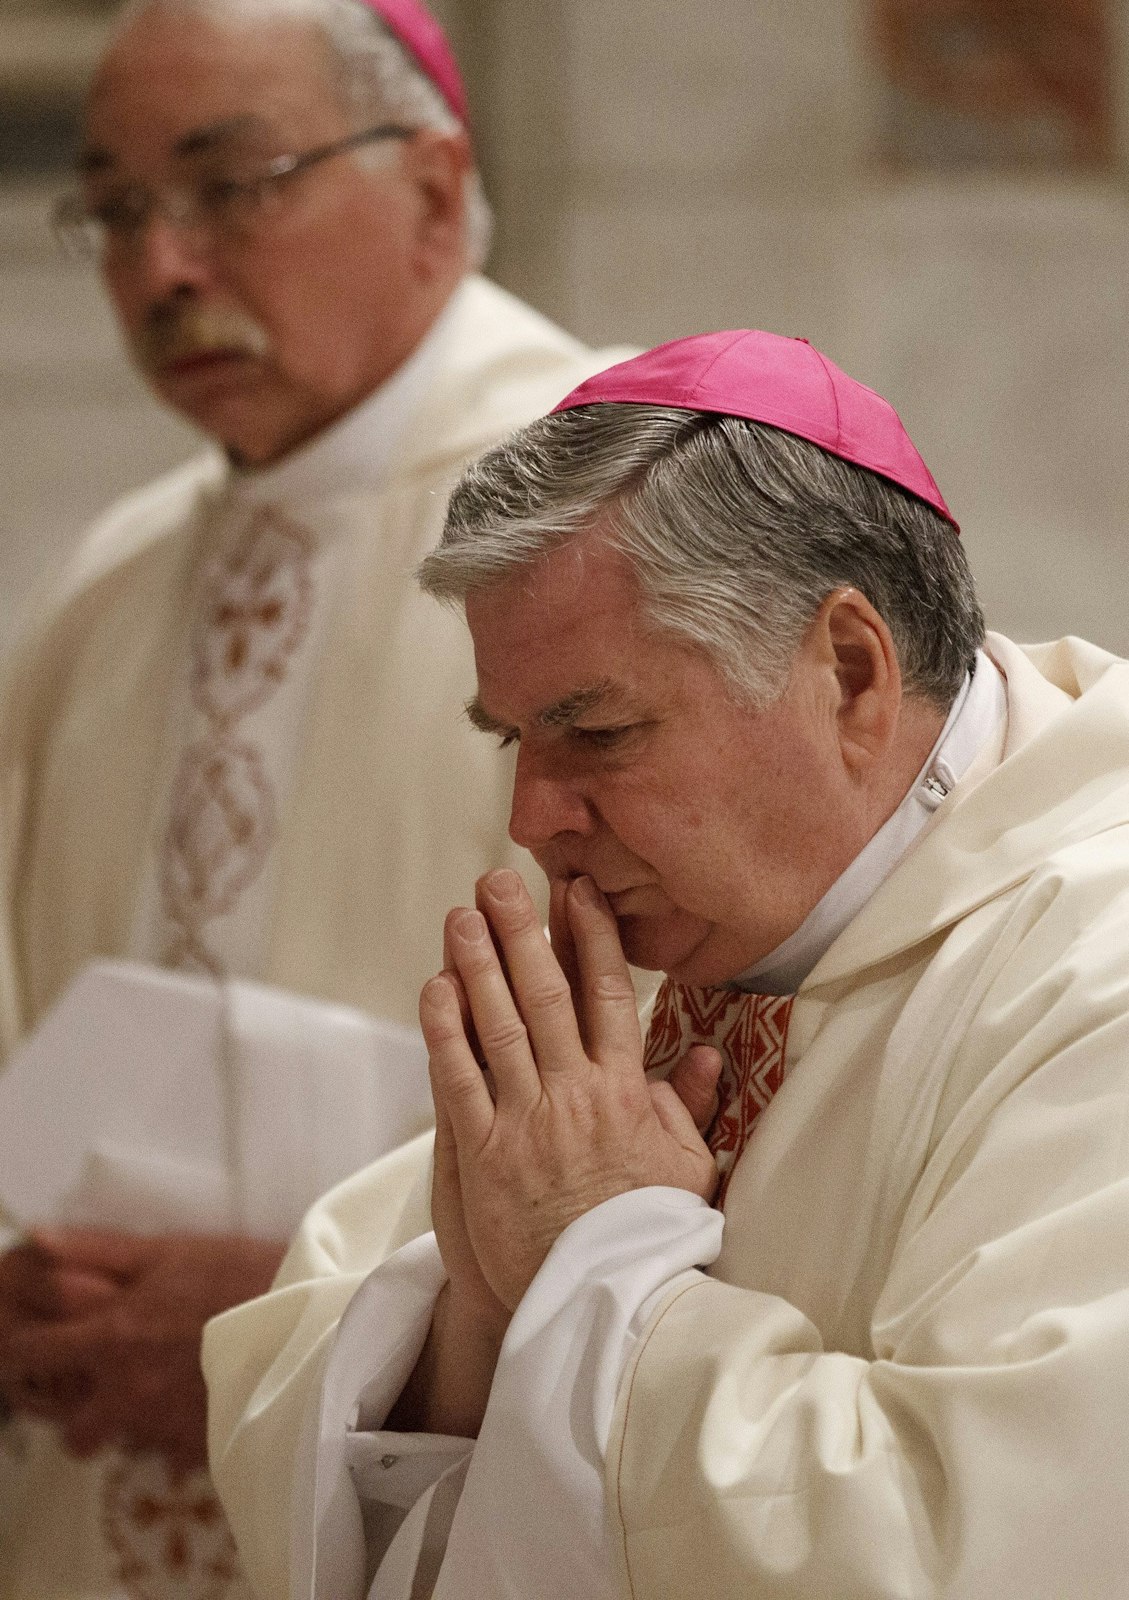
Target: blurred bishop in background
(231,744)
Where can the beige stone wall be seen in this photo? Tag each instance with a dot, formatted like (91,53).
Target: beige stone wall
(659,169)
(662,169)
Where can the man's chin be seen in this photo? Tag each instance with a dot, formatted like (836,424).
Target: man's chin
(238,421)
(638,949)
(653,945)
(693,955)
(214,405)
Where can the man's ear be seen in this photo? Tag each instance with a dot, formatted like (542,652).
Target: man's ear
(858,648)
(437,165)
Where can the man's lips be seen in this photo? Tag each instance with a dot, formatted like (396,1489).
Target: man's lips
(632,900)
(202,361)
(611,890)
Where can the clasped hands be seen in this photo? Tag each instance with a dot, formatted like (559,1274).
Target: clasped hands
(542,1109)
(100,1332)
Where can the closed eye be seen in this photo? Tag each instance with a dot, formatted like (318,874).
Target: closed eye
(121,210)
(605,738)
(592,738)
(483,722)
(224,189)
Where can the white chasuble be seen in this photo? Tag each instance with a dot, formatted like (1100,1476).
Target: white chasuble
(234,744)
(204,910)
(275,562)
(211,882)
(272,565)
(896,1365)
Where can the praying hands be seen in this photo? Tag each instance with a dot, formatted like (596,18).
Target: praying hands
(543,1111)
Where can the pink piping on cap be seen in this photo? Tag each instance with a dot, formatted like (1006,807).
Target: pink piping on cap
(783,382)
(419,32)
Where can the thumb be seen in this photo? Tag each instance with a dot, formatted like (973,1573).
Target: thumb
(687,1107)
(93,1250)
(78,1292)
(694,1080)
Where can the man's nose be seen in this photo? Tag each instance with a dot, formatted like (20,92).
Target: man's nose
(545,804)
(169,257)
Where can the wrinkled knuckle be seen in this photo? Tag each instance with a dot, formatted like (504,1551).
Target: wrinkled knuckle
(504,1036)
(476,959)
(443,1033)
(547,997)
(614,987)
(515,916)
(582,1110)
(630,1100)
(463,1086)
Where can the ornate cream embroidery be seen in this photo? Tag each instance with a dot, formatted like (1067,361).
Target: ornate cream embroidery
(167,1530)
(255,615)
(220,831)
(750,1030)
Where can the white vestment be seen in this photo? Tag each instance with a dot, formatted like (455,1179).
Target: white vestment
(379,806)
(898,1363)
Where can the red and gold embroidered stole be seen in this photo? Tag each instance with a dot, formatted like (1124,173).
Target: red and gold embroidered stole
(750,1030)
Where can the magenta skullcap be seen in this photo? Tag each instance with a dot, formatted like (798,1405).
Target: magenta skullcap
(767,378)
(420,34)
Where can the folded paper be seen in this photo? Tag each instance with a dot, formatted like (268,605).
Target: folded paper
(155,1101)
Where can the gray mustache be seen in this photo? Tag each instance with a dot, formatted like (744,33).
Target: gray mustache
(172,332)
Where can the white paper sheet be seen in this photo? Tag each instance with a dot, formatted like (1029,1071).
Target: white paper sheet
(154,1101)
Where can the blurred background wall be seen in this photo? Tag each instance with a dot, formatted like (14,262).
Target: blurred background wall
(933,191)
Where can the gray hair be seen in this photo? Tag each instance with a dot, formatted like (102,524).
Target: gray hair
(736,533)
(377,77)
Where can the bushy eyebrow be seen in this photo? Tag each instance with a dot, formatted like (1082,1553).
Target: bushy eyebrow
(202,140)
(561,714)
(197,142)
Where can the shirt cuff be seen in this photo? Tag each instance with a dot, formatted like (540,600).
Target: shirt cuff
(349,1507)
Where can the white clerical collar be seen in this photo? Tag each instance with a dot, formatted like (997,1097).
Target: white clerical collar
(354,452)
(978,713)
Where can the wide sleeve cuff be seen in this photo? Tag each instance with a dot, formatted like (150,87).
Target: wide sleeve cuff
(532,1518)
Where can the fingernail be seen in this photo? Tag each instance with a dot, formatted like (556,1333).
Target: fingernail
(470,926)
(585,891)
(504,884)
(434,995)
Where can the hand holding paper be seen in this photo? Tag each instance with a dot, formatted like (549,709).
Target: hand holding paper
(100,1332)
(35,1287)
(185,1126)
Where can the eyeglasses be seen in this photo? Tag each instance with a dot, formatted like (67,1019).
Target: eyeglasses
(226,203)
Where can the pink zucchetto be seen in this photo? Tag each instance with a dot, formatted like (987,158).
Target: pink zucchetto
(764,377)
(420,34)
